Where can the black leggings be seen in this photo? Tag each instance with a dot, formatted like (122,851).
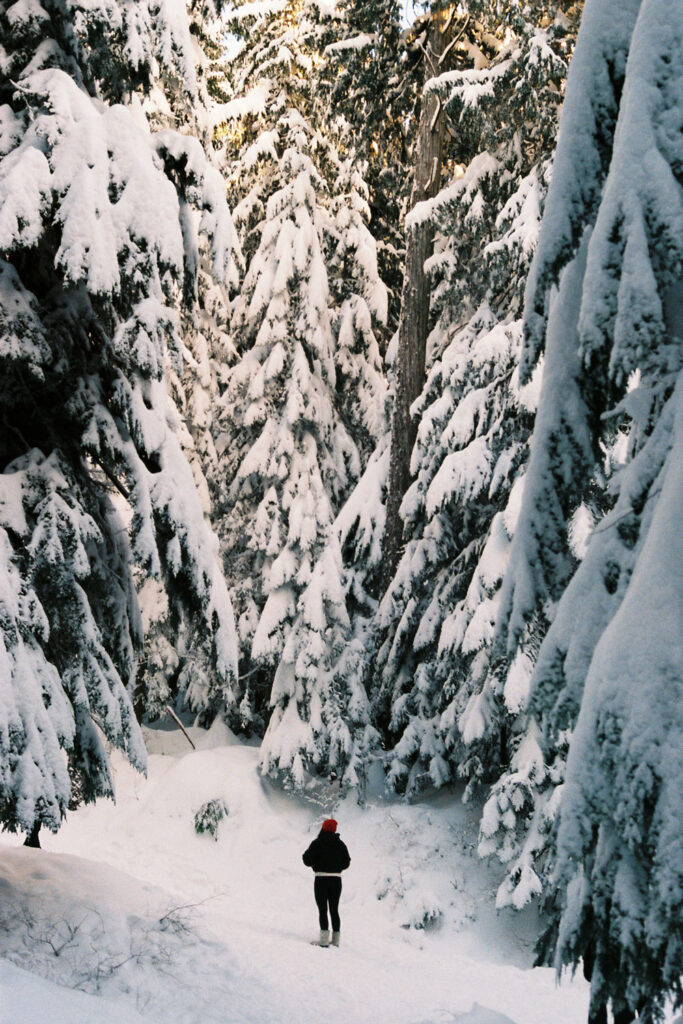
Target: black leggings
(327,892)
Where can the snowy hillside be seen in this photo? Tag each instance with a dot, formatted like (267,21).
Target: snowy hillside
(218,931)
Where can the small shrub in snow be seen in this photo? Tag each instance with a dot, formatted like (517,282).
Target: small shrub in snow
(209,816)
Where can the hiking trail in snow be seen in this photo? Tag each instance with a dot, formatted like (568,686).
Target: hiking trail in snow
(154,922)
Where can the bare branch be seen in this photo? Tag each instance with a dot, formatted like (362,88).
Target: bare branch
(180,725)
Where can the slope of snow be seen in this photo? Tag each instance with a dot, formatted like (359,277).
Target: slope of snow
(25,997)
(421,940)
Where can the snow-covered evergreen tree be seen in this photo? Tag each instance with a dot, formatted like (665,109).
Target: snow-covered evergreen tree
(169,662)
(288,459)
(437,697)
(321,719)
(614,650)
(94,249)
(510,809)
(359,309)
(305,404)
(370,59)
(565,486)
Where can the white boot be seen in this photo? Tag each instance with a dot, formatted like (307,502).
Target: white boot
(335,938)
(324,938)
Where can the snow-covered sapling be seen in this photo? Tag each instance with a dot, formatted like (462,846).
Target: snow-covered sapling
(209,816)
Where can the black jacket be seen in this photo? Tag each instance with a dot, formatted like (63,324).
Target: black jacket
(327,853)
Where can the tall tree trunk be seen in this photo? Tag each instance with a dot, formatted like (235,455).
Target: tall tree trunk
(414,319)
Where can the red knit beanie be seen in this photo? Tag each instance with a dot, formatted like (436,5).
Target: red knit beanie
(329,825)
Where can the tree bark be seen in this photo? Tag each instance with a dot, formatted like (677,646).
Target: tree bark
(414,319)
(33,837)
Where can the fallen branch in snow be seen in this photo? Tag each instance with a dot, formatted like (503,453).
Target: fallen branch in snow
(59,936)
(89,951)
(180,725)
(169,915)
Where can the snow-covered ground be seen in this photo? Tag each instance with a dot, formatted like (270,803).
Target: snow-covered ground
(152,922)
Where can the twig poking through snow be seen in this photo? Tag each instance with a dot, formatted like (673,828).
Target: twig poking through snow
(180,726)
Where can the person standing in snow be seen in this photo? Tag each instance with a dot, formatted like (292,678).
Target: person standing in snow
(328,857)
